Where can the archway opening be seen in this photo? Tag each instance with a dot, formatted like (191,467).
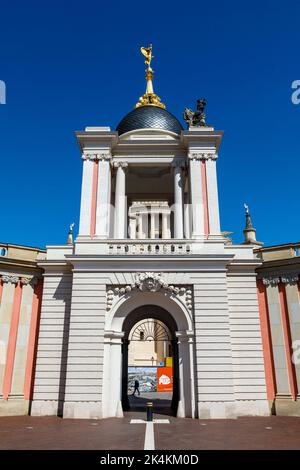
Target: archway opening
(150,361)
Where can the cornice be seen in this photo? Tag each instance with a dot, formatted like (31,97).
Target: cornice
(199,137)
(154,263)
(92,140)
(11,262)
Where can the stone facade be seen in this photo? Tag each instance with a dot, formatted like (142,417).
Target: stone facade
(149,246)
(20,298)
(278,287)
(191,276)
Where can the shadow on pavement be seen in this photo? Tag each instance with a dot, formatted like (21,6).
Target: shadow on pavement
(161,406)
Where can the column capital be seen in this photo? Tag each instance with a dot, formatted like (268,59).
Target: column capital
(96,156)
(290,278)
(12,279)
(197,156)
(271,280)
(123,165)
(33,280)
(185,336)
(113,337)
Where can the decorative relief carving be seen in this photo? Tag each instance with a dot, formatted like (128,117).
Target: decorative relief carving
(150,282)
(202,156)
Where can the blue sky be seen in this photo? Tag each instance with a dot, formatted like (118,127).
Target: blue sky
(68,65)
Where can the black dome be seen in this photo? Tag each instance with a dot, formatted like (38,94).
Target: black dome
(149,117)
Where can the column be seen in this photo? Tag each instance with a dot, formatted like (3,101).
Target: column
(292,296)
(192,372)
(204,197)
(196,194)
(145,224)
(139,217)
(277,337)
(212,195)
(112,376)
(103,197)
(187,218)
(152,224)
(11,347)
(165,231)
(86,195)
(33,338)
(186,405)
(1,289)
(120,201)
(287,340)
(266,340)
(132,226)
(178,200)
(156,224)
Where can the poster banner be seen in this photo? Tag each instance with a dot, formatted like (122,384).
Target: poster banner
(146,377)
(164,379)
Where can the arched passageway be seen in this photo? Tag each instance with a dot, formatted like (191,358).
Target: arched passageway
(160,326)
(125,314)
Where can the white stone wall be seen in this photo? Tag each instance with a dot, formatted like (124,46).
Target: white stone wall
(246,343)
(86,346)
(213,348)
(52,344)
(227,365)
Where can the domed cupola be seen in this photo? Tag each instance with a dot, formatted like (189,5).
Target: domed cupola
(149,112)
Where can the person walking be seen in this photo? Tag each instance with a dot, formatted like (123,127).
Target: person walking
(136,387)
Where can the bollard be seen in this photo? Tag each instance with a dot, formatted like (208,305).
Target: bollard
(149,411)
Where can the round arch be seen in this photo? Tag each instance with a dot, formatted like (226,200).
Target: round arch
(125,312)
(127,303)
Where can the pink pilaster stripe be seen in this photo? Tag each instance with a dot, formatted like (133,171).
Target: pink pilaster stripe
(266,340)
(32,341)
(1,289)
(12,340)
(287,340)
(94,199)
(204,197)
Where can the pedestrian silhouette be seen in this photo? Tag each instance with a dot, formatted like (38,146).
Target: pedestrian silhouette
(136,387)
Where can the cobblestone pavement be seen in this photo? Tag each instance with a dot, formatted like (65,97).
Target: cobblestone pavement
(26,432)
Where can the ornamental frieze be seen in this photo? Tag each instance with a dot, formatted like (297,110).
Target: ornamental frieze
(149,282)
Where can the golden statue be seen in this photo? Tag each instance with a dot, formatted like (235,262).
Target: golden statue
(147,52)
(149,98)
